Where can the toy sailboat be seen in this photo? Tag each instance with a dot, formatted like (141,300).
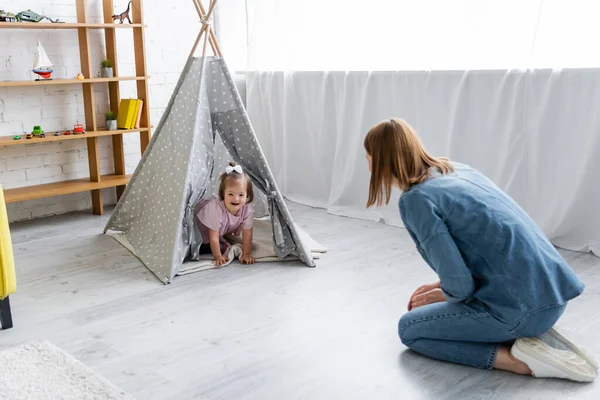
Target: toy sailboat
(42,65)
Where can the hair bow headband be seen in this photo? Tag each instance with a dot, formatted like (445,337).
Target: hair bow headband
(237,169)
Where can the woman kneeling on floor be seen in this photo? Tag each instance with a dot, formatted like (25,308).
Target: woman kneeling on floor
(502,284)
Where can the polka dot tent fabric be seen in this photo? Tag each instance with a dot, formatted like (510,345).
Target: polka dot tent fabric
(204,126)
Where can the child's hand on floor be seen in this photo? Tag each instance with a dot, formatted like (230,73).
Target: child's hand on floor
(247,259)
(220,260)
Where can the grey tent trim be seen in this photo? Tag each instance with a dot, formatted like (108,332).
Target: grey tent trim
(203,126)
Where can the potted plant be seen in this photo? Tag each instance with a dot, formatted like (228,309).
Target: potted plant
(106,68)
(111,121)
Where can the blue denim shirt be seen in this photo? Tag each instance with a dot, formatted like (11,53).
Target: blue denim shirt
(484,247)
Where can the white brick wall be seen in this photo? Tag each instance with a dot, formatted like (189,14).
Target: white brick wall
(171,30)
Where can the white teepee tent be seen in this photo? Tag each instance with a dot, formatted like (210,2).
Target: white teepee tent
(203,127)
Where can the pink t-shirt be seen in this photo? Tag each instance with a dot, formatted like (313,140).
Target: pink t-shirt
(212,214)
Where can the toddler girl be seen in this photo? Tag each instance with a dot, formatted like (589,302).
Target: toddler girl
(231,213)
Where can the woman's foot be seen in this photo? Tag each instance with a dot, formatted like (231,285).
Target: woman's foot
(506,362)
(547,362)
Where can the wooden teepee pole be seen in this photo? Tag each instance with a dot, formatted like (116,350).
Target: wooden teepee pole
(212,32)
(204,16)
(206,36)
(202,31)
(201,13)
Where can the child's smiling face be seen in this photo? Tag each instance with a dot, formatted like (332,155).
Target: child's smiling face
(235,195)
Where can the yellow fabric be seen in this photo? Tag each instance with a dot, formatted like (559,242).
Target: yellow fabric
(8,281)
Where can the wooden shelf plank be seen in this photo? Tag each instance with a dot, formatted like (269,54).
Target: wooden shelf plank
(65,25)
(71,81)
(9,141)
(64,187)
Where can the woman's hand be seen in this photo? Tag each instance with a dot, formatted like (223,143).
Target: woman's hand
(220,260)
(421,290)
(247,259)
(433,296)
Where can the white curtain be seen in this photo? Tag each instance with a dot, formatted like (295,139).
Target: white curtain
(536,134)
(509,87)
(384,35)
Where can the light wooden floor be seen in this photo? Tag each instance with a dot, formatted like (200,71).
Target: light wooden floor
(271,331)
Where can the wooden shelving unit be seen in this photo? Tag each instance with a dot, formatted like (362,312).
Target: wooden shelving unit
(71,81)
(10,141)
(60,25)
(65,187)
(95,182)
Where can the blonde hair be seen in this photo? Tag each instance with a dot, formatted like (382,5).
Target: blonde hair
(234,175)
(397,153)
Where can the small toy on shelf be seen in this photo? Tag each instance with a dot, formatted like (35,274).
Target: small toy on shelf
(16,137)
(28,136)
(66,132)
(31,16)
(123,15)
(78,129)
(38,132)
(80,77)
(57,133)
(42,64)
(6,16)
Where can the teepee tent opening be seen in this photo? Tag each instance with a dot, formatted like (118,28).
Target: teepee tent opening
(203,127)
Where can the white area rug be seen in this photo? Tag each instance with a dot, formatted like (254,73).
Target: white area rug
(40,370)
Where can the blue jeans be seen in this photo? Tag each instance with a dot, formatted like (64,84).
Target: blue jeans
(466,333)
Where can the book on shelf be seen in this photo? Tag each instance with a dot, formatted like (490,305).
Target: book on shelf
(139,114)
(129,114)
